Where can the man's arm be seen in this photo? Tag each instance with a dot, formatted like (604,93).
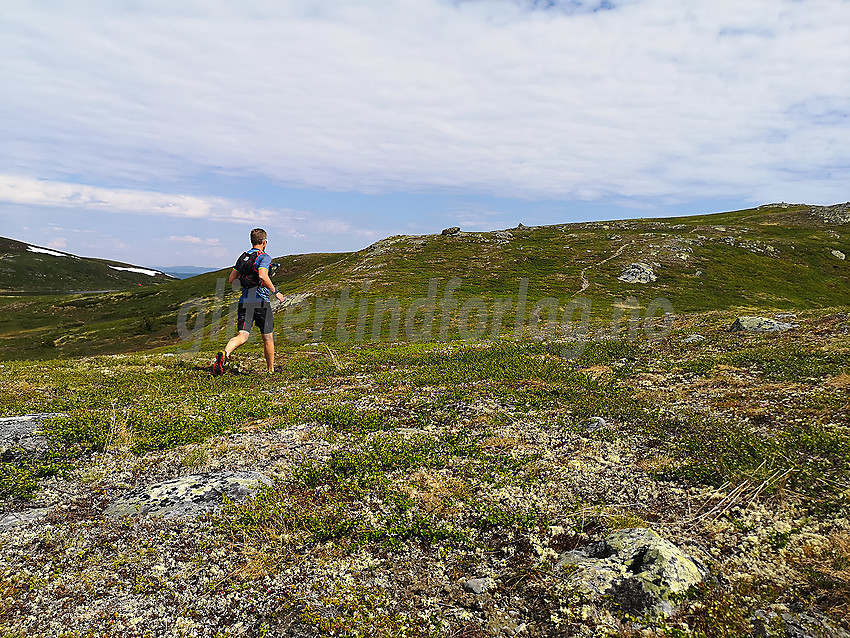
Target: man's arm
(264,279)
(234,275)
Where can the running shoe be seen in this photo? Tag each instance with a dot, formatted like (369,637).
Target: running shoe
(218,366)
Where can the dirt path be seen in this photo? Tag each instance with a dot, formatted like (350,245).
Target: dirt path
(585,282)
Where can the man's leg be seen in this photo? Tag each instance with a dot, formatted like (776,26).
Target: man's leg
(268,349)
(241,337)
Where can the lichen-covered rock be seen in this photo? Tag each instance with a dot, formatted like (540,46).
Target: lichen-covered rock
(187,496)
(810,624)
(454,230)
(838,254)
(638,273)
(760,324)
(637,567)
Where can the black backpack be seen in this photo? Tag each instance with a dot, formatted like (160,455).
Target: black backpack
(249,274)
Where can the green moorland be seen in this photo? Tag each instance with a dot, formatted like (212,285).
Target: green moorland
(402,468)
(25,268)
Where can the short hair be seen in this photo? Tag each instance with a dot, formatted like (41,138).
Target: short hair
(258,236)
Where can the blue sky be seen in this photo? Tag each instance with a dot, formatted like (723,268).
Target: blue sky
(160,133)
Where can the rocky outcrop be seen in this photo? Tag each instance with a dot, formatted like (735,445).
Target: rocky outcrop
(760,324)
(187,496)
(837,214)
(638,273)
(20,436)
(638,568)
(454,230)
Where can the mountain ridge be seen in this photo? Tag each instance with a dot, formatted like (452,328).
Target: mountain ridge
(28,268)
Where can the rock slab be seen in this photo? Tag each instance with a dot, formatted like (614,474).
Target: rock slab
(13,519)
(635,566)
(760,324)
(20,433)
(187,496)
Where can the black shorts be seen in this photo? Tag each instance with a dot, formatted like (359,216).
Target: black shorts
(257,313)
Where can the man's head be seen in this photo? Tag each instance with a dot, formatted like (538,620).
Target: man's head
(258,236)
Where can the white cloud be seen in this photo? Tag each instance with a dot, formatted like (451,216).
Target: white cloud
(22,190)
(59,242)
(191,239)
(651,98)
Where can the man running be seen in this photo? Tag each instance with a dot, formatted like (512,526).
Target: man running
(252,270)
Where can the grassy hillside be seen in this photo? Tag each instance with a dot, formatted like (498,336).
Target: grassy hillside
(777,257)
(26,268)
(401,471)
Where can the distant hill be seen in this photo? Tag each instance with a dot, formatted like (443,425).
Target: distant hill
(26,268)
(776,257)
(185,272)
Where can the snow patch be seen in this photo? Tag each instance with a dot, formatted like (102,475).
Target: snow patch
(141,271)
(46,251)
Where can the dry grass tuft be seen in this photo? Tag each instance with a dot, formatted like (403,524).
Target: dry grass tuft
(827,567)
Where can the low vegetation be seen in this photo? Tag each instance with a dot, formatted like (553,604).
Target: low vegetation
(400,470)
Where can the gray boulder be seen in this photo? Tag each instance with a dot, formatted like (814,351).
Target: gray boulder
(187,496)
(839,254)
(694,338)
(454,230)
(760,324)
(638,273)
(594,423)
(637,567)
(478,585)
(19,435)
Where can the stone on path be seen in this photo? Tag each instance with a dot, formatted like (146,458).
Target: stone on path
(760,324)
(188,496)
(637,567)
(638,273)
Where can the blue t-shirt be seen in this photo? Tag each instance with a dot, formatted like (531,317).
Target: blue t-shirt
(261,292)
